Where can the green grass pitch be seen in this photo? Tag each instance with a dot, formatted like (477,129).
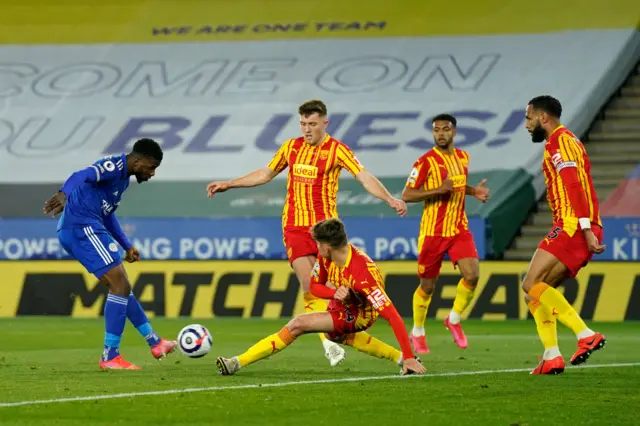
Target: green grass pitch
(57,358)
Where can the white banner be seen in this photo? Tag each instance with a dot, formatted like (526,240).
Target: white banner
(221,109)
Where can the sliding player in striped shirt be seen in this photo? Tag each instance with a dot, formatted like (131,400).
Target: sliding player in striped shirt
(356,301)
(439,180)
(315,161)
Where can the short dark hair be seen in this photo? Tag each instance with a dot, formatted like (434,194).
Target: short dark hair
(313,106)
(548,104)
(445,117)
(330,231)
(148,148)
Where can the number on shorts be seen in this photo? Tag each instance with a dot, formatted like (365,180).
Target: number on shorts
(350,316)
(554,233)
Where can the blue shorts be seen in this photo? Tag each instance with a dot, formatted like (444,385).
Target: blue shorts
(92,246)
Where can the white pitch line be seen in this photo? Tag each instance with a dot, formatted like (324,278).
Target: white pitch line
(301,382)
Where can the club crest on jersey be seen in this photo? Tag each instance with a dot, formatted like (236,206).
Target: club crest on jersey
(304,173)
(324,154)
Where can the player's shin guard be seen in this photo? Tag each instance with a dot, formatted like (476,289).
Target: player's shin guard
(372,346)
(266,347)
(315,304)
(464,294)
(115,317)
(546,325)
(555,301)
(421,301)
(139,319)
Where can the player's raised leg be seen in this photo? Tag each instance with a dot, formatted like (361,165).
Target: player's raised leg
(535,284)
(316,322)
(302,267)
(159,347)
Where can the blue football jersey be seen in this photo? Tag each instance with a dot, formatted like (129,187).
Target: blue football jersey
(99,195)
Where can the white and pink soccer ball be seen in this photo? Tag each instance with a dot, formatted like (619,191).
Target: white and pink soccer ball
(195,341)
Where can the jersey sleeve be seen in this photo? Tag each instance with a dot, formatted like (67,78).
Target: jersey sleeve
(348,160)
(102,170)
(318,282)
(108,168)
(565,153)
(418,175)
(372,289)
(279,162)
(464,157)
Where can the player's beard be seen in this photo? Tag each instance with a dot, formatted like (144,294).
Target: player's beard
(538,134)
(444,145)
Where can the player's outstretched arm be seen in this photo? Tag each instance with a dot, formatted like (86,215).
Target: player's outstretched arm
(390,313)
(255,178)
(374,187)
(378,299)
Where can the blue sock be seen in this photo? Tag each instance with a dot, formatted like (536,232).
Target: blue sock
(115,317)
(139,319)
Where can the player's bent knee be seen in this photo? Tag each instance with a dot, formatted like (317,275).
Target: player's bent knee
(471,278)
(428,285)
(294,326)
(117,281)
(298,326)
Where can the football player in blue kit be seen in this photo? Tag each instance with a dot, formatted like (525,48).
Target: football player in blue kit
(87,229)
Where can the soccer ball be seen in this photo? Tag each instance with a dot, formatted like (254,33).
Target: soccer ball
(195,341)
